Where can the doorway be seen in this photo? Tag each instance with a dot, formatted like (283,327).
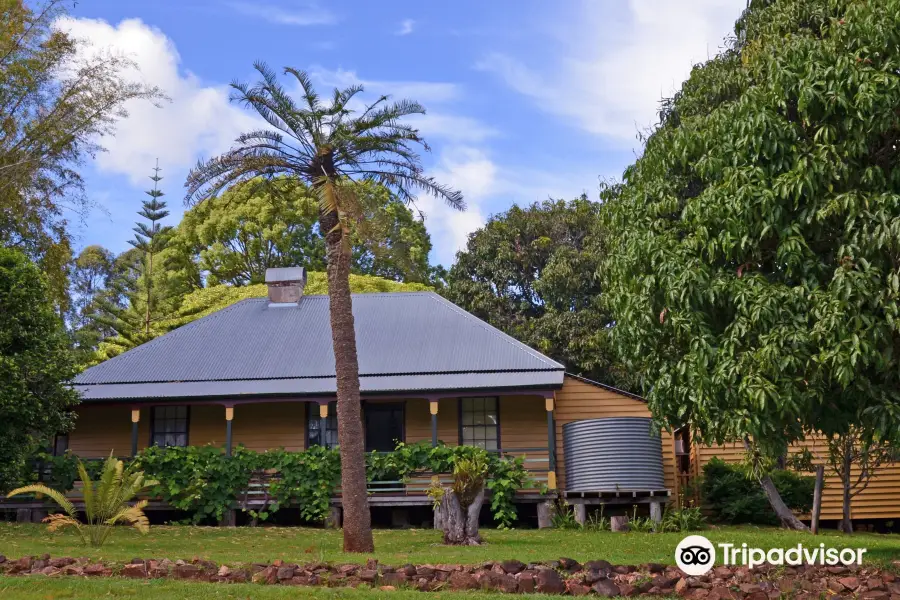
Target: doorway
(384,426)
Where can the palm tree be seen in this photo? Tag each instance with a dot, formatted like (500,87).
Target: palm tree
(105,502)
(331,146)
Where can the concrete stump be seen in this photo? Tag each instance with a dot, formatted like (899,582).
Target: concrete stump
(438,520)
(656,511)
(23,515)
(39,514)
(580,513)
(543,515)
(618,523)
(333,520)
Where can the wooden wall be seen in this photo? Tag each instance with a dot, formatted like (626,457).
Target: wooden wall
(580,400)
(881,500)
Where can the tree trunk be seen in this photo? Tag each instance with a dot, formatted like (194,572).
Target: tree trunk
(788,520)
(846,521)
(460,523)
(357,520)
(785,515)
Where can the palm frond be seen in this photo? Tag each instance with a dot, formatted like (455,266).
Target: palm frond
(54,495)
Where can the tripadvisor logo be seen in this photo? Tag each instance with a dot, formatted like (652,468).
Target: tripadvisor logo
(695,555)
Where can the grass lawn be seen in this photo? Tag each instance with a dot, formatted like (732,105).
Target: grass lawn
(246,545)
(71,588)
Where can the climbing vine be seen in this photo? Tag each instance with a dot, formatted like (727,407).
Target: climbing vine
(204,482)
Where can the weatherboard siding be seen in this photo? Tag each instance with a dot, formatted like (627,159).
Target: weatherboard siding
(880,500)
(579,400)
(100,430)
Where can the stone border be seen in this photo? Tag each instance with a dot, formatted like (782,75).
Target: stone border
(564,576)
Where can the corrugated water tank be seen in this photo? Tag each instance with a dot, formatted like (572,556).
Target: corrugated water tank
(612,453)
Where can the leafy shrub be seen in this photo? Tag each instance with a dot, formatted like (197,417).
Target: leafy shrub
(105,502)
(688,518)
(562,515)
(733,497)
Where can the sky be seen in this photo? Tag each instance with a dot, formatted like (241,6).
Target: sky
(526,99)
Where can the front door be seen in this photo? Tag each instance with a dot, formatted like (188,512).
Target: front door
(384,426)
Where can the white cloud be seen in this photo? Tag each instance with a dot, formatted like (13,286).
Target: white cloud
(310,14)
(611,72)
(406,27)
(199,120)
(439,123)
(471,171)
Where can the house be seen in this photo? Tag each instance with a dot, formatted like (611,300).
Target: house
(261,373)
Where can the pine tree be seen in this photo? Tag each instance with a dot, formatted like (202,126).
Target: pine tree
(136,296)
(151,239)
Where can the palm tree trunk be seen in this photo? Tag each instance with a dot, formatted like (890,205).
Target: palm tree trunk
(357,520)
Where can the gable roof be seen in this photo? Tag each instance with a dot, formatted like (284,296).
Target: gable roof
(406,342)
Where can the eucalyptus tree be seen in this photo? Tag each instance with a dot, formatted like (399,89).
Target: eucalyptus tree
(753,262)
(333,145)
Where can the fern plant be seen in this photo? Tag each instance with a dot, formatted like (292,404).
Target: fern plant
(105,502)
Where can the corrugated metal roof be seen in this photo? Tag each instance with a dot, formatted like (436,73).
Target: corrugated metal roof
(418,335)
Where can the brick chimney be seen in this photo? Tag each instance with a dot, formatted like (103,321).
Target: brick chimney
(285,285)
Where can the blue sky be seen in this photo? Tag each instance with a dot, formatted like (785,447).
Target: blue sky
(525,99)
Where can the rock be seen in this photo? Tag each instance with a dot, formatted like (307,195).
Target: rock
(2,559)
(750,588)
(525,581)
(50,570)
(425,571)
(624,569)
(837,570)
(348,569)
(721,593)
(423,584)
(93,570)
(656,567)
(663,582)
(591,577)
(598,565)
(874,595)
(875,583)
(58,562)
(137,571)
(186,571)
(549,582)
(284,573)
(408,570)
(368,575)
(387,588)
(835,586)
(569,564)
(23,564)
(851,583)
(462,581)
(682,586)
(73,570)
(576,589)
(628,590)
(395,578)
(513,567)
(372,564)
(224,571)
(268,575)
(606,587)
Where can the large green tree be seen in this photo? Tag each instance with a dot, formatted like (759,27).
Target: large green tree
(56,104)
(533,272)
(753,269)
(36,366)
(333,147)
(235,236)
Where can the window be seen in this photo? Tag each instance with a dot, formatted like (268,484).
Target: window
(169,426)
(479,421)
(313,424)
(60,444)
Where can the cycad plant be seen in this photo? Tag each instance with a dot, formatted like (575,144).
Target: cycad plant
(332,144)
(105,502)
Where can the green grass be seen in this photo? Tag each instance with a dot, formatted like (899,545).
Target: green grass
(71,588)
(246,545)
